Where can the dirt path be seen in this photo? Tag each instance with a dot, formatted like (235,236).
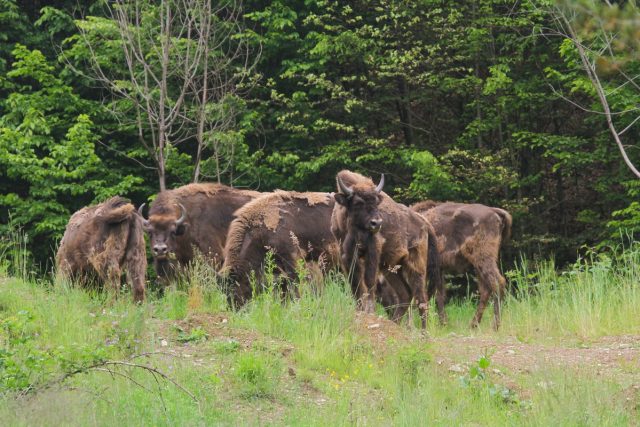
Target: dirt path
(611,356)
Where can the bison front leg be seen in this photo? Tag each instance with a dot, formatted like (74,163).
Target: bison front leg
(351,265)
(371,262)
(289,286)
(240,292)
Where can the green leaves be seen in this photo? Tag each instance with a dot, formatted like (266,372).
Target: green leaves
(430,179)
(48,149)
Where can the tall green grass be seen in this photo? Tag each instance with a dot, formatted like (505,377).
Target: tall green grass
(303,361)
(599,295)
(14,255)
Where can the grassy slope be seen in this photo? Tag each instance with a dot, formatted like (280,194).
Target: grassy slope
(316,361)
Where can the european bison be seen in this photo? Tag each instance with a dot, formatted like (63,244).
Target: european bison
(376,235)
(469,237)
(100,242)
(396,300)
(293,226)
(188,217)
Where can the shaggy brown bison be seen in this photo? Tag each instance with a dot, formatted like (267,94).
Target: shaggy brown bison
(469,237)
(100,242)
(192,216)
(376,235)
(395,299)
(293,226)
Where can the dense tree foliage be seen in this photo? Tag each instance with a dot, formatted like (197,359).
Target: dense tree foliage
(469,101)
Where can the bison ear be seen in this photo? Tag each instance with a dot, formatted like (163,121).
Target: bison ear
(180,230)
(341,199)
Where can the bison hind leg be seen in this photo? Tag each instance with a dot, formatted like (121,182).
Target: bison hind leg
(111,276)
(499,294)
(394,296)
(416,281)
(490,283)
(136,280)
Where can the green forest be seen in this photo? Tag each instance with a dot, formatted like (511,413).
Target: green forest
(252,306)
(471,101)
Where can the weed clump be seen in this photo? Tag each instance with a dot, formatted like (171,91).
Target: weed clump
(258,375)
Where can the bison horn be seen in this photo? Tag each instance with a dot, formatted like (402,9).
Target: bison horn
(145,221)
(380,184)
(180,220)
(343,188)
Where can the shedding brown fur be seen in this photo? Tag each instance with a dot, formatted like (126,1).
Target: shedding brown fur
(101,242)
(398,249)
(208,211)
(469,238)
(293,226)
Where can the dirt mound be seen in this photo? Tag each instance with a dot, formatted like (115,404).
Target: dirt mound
(382,332)
(217,328)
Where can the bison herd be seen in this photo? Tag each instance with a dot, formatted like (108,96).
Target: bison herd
(391,253)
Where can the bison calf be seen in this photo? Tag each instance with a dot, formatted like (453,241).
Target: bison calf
(100,242)
(469,238)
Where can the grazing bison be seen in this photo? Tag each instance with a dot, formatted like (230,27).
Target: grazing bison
(293,226)
(376,235)
(469,237)
(188,217)
(100,242)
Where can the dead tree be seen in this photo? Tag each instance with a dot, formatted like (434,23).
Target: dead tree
(180,60)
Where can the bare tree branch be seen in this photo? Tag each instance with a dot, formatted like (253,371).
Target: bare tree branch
(182,63)
(588,57)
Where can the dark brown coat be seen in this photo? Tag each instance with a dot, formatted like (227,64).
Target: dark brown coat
(208,212)
(469,238)
(378,235)
(294,226)
(100,242)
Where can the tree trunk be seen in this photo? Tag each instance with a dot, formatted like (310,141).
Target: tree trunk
(403,111)
(161,159)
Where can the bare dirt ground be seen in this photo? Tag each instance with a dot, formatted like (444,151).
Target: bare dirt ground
(609,355)
(615,357)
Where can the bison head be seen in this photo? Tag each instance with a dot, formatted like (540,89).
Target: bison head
(361,201)
(162,230)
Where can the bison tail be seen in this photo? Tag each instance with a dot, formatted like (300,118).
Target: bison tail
(233,246)
(506,223)
(434,264)
(116,210)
